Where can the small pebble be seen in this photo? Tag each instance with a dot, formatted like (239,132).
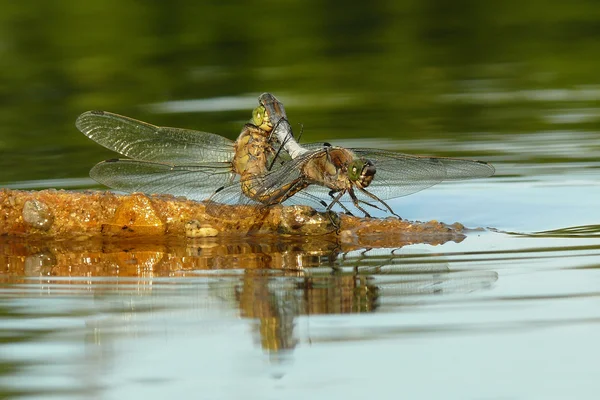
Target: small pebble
(193,229)
(38,215)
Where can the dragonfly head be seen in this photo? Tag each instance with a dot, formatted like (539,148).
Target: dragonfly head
(361,172)
(260,118)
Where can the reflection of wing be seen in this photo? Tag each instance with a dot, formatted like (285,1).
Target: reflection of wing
(143,141)
(196,182)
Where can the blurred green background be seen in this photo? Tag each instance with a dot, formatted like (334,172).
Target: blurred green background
(462,70)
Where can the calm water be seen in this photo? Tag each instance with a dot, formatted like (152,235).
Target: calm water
(510,312)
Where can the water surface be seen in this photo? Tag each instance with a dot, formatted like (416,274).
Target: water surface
(510,312)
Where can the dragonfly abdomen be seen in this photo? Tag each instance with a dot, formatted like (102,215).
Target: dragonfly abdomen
(253,188)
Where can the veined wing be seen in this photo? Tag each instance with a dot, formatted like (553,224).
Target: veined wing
(143,141)
(400,174)
(196,182)
(232,193)
(397,175)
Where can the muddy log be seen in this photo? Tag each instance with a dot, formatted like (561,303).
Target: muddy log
(58,214)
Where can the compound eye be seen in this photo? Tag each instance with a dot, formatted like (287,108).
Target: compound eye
(354,170)
(258,115)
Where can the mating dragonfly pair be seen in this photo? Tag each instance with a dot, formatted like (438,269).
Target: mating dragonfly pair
(265,165)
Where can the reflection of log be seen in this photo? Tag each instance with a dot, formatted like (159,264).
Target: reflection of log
(82,215)
(163,257)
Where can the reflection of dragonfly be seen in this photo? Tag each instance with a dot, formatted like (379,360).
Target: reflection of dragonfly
(179,161)
(329,172)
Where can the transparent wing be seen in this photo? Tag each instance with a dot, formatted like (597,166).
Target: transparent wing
(232,194)
(143,141)
(397,174)
(278,182)
(400,174)
(196,182)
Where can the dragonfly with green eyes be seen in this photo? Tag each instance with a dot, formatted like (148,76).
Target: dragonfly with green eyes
(364,177)
(193,164)
(181,162)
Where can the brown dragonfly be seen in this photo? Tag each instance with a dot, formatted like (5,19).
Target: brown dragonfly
(181,162)
(193,164)
(362,176)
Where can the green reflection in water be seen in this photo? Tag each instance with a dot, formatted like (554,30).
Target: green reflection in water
(405,69)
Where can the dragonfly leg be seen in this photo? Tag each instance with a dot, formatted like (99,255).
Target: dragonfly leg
(371,195)
(336,199)
(357,203)
(371,205)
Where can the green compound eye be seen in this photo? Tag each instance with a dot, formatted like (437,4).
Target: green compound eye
(258,115)
(355,169)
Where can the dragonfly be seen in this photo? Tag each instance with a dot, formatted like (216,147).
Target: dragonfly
(182,162)
(192,164)
(367,176)
(364,177)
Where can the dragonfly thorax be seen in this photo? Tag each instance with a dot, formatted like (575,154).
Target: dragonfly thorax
(338,168)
